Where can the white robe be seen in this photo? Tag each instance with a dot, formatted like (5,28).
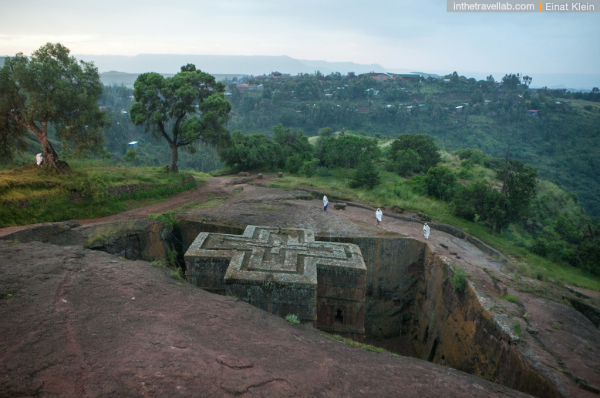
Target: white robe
(39,158)
(325,201)
(378,215)
(426,231)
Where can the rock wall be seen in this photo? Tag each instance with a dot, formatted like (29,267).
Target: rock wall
(412,309)
(453,329)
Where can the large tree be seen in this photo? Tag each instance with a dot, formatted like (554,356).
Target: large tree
(422,144)
(185,109)
(52,88)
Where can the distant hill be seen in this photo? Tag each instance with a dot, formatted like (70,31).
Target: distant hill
(222,64)
(127,79)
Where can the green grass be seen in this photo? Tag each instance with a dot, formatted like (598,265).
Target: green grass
(459,280)
(511,298)
(394,190)
(31,195)
(292,319)
(518,331)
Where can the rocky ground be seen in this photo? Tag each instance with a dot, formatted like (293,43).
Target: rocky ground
(72,326)
(85,323)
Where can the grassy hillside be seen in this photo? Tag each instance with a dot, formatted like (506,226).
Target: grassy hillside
(562,141)
(94,189)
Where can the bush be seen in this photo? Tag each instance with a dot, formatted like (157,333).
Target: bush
(422,144)
(326,132)
(130,155)
(293,164)
(322,172)
(459,280)
(366,175)
(309,167)
(346,151)
(474,156)
(465,174)
(292,319)
(539,247)
(441,183)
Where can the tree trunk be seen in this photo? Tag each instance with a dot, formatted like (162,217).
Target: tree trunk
(51,161)
(174,157)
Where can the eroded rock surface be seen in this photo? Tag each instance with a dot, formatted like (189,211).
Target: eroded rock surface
(85,323)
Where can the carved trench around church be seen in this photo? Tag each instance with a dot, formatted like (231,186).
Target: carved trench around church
(412,310)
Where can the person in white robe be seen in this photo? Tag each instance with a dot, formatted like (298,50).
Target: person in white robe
(378,215)
(426,230)
(325,203)
(39,158)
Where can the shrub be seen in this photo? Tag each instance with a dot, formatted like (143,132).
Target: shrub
(459,280)
(346,151)
(366,175)
(465,174)
(539,247)
(177,275)
(309,167)
(171,256)
(474,156)
(130,155)
(322,172)
(441,183)
(292,319)
(293,164)
(518,331)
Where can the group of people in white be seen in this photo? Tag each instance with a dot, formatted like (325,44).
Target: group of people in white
(379,216)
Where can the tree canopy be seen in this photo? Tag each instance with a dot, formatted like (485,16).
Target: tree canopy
(422,144)
(184,109)
(251,151)
(51,88)
(346,151)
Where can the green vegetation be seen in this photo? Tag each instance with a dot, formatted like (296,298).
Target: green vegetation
(177,274)
(166,218)
(561,140)
(6,295)
(171,257)
(459,280)
(93,189)
(497,199)
(70,107)
(292,319)
(511,298)
(514,241)
(176,101)
(518,332)
(353,343)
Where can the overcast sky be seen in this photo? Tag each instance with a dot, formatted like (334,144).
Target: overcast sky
(416,35)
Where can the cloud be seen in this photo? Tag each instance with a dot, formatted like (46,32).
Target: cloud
(398,34)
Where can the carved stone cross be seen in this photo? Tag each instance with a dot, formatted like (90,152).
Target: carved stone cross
(280,270)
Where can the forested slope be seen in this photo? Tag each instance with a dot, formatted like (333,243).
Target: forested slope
(562,140)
